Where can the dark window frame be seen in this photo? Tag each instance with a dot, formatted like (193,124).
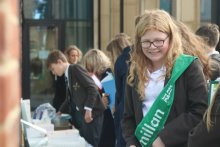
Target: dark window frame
(26,49)
(61,24)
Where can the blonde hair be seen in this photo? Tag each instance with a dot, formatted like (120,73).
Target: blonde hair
(161,21)
(195,46)
(207,115)
(116,46)
(95,61)
(69,49)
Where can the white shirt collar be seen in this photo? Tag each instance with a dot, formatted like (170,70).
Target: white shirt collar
(159,71)
(66,72)
(213,52)
(153,88)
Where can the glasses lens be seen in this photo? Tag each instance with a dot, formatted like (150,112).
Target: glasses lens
(158,43)
(146,44)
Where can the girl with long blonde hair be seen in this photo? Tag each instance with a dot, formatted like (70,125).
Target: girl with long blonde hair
(157,48)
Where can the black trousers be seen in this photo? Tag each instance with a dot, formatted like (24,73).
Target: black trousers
(76,119)
(108,130)
(92,131)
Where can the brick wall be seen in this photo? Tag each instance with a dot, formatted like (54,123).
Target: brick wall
(10,87)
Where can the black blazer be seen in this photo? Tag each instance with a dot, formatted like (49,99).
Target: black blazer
(200,137)
(190,102)
(215,66)
(83,90)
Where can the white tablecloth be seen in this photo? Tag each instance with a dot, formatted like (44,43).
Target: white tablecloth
(62,138)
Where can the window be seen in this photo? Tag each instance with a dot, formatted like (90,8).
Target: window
(205,11)
(166,5)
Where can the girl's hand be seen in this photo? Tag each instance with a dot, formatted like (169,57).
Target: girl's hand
(158,143)
(88,116)
(105,99)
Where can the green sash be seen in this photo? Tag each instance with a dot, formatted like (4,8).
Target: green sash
(147,130)
(213,87)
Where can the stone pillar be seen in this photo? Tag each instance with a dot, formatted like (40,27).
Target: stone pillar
(131,11)
(187,11)
(10,84)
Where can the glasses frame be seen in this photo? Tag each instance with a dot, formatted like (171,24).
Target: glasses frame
(153,42)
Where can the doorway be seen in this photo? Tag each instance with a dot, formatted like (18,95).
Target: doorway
(39,38)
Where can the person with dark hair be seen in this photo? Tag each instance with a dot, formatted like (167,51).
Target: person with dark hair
(73,55)
(81,95)
(119,48)
(210,35)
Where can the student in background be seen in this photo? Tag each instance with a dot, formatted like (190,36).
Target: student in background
(98,65)
(117,45)
(207,132)
(73,54)
(82,95)
(155,59)
(210,35)
(119,49)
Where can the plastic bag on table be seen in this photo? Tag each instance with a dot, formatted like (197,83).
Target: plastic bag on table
(44,111)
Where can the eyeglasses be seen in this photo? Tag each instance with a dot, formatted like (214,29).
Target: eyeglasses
(156,43)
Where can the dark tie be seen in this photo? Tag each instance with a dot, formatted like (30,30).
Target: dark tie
(67,89)
(66,81)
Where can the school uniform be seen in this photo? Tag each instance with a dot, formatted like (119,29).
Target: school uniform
(215,66)
(190,102)
(108,129)
(121,69)
(84,95)
(200,136)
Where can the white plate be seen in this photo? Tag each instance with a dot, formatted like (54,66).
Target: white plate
(65,116)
